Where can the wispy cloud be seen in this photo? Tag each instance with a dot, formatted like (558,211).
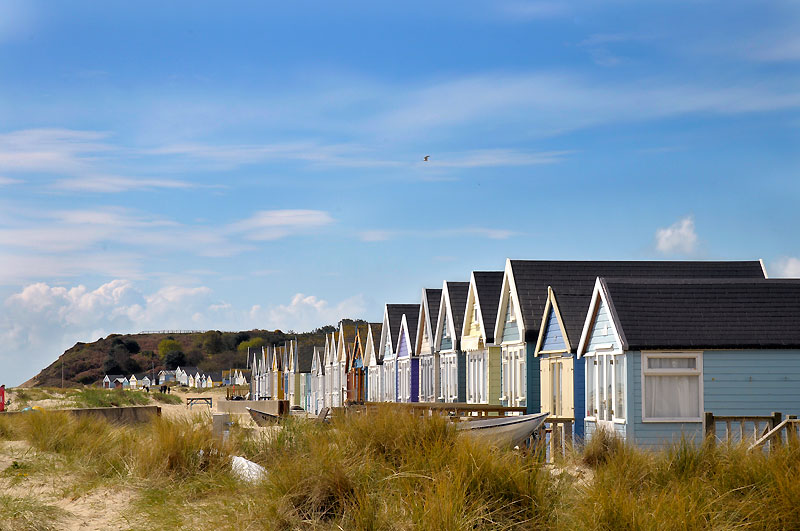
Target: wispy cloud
(787,267)
(274,224)
(680,237)
(493,158)
(5,181)
(114,184)
(112,241)
(378,235)
(533,9)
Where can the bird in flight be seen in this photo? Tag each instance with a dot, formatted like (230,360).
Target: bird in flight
(426,157)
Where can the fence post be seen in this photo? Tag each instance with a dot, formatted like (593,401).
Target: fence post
(568,435)
(791,433)
(710,426)
(777,417)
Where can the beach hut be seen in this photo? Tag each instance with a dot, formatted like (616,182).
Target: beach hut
(661,352)
(109,379)
(299,373)
(332,376)
(133,382)
(428,357)
(390,332)
(373,363)
(344,351)
(523,299)
(407,359)
(356,379)
(317,379)
(452,363)
(477,338)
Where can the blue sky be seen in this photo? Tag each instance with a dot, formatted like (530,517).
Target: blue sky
(259,164)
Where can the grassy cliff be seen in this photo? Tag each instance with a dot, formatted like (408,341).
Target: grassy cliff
(86,363)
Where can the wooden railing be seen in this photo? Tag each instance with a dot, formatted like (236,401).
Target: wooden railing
(745,426)
(554,439)
(788,427)
(762,430)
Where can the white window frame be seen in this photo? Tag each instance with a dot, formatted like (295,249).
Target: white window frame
(591,365)
(697,371)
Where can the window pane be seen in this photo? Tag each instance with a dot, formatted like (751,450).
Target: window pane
(590,387)
(672,397)
(671,363)
(601,396)
(619,374)
(609,390)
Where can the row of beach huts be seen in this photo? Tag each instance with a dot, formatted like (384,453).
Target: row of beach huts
(187,376)
(641,348)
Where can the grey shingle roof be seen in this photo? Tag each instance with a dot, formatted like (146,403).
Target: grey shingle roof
(305,355)
(673,313)
(532,277)
(412,320)
(488,287)
(395,312)
(432,298)
(458,292)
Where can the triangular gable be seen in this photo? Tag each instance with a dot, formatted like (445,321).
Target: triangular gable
(423,344)
(445,322)
(472,326)
(509,300)
(387,342)
(552,332)
(404,343)
(601,330)
(370,356)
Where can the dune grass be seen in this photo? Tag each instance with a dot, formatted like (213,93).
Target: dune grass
(28,513)
(389,470)
(94,397)
(165,398)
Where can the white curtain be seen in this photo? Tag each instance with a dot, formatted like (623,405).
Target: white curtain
(673,397)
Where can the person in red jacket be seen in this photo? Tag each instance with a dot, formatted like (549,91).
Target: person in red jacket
(2,397)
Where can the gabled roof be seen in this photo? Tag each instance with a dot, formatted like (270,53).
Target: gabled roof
(113,377)
(347,335)
(696,314)
(410,321)
(488,286)
(532,278)
(393,315)
(428,314)
(305,354)
(373,337)
(191,371)
(453,306)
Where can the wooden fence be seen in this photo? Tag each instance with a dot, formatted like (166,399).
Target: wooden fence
(450,409)
(762,430)
(554,438)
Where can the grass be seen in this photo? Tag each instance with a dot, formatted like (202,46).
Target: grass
(94,397)
(28,513)
(390,470)
(165,398)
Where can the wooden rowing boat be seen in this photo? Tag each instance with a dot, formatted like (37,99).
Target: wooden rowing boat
(503,431)
(263,419)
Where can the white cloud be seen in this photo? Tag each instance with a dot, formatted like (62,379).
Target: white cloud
(274,224)
(51,150)
(5,181)
(114,184)
(115,241)
(379,235)
(680,237)
(41,320)
(787,267)
(306,312)
(493,158)
(520,9)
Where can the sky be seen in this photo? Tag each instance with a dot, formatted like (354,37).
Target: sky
(198,165)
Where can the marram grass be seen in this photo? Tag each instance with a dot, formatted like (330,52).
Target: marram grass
(390,470)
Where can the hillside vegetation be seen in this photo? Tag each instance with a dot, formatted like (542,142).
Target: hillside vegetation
(87,363)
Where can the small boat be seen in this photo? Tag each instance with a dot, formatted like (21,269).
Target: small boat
(263,419)
(503,431)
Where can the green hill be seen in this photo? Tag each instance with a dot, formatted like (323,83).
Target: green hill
(87,363)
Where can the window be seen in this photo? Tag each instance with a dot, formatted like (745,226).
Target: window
(606,387)
(672,387)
